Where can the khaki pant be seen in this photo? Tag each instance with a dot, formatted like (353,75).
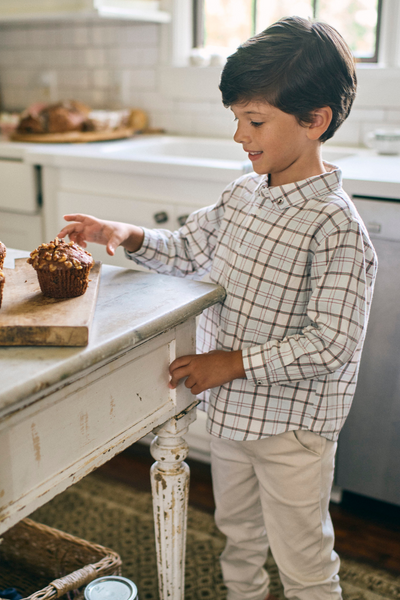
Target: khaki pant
(275,493)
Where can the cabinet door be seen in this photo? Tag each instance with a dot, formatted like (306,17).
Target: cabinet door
(17,187)
(369,444)
(21,231)
(140,212)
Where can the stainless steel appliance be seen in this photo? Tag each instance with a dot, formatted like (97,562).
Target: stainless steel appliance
(368,460)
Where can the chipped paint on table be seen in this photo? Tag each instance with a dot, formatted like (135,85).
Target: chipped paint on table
(66,411)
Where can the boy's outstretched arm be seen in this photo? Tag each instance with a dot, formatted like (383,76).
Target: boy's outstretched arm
(205,371)
(85,228)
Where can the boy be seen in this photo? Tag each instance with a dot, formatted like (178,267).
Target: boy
(279,357)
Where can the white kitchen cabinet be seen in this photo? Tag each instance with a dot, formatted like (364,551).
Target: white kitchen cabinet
(145,201)
(21,231)
(135,10)
(18,190)
(20,210)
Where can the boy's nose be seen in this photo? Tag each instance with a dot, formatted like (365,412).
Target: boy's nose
(241,136)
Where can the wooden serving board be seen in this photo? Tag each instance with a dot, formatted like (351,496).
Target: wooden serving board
(73,136)
(27,318)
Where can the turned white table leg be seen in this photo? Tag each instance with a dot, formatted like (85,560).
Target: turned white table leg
(170,489)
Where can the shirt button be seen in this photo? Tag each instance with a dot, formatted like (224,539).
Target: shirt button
(259,382)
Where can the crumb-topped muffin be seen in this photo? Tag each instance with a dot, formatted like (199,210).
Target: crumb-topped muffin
(3,252)
(62,268)
(2,280)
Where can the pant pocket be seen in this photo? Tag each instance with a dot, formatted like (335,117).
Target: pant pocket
(310,441)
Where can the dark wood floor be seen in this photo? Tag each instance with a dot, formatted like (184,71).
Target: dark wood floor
(365,529)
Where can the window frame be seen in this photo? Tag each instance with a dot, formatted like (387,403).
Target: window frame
(198,28)
(379,83)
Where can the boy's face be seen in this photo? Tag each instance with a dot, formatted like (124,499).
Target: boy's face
(276,143)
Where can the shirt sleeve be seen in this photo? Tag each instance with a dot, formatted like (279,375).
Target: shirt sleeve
(189,251)
(342,275)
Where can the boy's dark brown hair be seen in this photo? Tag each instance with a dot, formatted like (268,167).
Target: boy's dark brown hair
(297,66)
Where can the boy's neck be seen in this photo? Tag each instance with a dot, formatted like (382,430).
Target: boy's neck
(304,168)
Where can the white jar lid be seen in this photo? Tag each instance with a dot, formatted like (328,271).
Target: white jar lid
(111,588)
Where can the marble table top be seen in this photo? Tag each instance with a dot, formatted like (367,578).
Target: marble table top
(132,307)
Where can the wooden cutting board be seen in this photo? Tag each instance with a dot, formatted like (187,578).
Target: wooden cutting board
(27,318)
(74,137)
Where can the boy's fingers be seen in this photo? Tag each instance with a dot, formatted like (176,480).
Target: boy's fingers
(75,217)
(179,362)
(112,245)
(177,374)
(74,227)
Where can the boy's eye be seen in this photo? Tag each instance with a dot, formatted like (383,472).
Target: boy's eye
(256,124)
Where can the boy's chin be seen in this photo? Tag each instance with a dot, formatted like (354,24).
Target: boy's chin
(259,170)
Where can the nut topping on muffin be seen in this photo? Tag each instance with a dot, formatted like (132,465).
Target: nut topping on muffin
(3,252)
(2,281)
(62,268)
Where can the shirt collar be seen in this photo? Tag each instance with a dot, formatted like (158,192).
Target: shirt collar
(299,192)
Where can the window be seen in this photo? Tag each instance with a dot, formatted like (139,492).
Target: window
(221,25)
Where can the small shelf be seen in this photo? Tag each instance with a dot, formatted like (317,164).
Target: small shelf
(98,13)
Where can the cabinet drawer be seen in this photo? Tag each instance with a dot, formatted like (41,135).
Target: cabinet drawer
(17,187)
(21,231)
(381,217)
(144,213)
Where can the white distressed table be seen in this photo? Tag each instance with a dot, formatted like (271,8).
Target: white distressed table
(65,411)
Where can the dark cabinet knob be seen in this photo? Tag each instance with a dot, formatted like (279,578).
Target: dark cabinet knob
(161,217)
(182,220)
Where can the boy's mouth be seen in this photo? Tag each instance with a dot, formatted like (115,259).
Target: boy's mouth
(254,155)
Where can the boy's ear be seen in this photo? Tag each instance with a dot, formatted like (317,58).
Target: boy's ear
(322,118)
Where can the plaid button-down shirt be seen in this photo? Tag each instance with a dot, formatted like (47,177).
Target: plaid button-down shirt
(298,268)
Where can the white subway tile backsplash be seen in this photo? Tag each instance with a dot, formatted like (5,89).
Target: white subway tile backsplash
(172,122)
(13,98)
(57,57)
(144,79)
(365,114)
(41,37)
(128,57)
(213,127)
(138,35)
(76,78)
(349,134)
(65,36)
(31,57)
(101,78)
(11,78)
(104,35)
(80,35)
(203,108)
(94,57)
(147,57)
(393,115)
(98,98)
(154,102)
(13,37)
(114,64)
(8,58)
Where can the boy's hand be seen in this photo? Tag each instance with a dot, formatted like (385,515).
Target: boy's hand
(111,234)
(205,371)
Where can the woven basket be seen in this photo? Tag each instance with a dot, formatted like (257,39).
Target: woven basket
(43,563)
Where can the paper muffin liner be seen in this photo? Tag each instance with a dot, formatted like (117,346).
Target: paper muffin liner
(3,252)
(64,284)
(2,281)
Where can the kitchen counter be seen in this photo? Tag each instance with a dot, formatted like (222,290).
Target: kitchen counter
(364,171)
(131,308)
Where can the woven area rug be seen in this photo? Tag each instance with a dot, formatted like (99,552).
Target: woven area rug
(119,517)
